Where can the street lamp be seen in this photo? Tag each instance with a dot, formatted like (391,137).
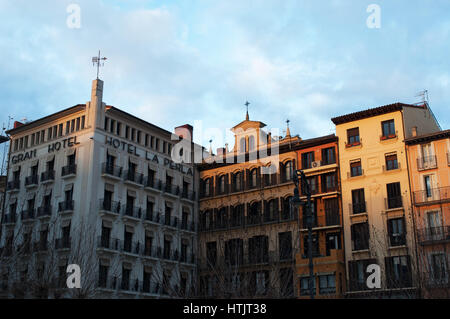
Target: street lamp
(297,202)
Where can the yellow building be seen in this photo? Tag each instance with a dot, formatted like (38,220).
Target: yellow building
(429,163)
(376,197)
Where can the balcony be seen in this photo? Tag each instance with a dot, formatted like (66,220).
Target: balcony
(151,217)
(357,208)
(152,184)
(170,221)
(13,185)
(427,162)
(31,181)
(66,207)
(109,208)
(431,235)
(40,246)
(189,195)
(130,247)
(151,252)
(44,211)
(133,178)
(389,136)
(63,243)
(171,255)
(109,244)
(132,213)
(111,171)
(187,226)
(9,219)
(431,196)
(28,214)
(48,176)
(171,189)
(69,171)
(393,202)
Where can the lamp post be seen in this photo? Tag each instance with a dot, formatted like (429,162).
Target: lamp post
(297,202)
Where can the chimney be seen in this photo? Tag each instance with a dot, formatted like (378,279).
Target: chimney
(17,124)
(184,131)
(414,131)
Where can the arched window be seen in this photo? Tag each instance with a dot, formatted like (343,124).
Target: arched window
(288,171)
(253,177)
(207,187)
(222,184)
(243,146)
(237,181)
(251,143)
(286,213)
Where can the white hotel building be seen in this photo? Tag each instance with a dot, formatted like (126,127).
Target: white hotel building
(95,186)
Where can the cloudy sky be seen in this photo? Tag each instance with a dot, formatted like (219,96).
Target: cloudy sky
(176,62)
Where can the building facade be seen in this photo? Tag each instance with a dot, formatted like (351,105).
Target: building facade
(95,186)
(248,230)
(376,198)
(318,158)
(429,163)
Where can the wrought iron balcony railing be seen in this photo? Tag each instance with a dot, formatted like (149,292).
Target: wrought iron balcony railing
(69,170)
(426,162)
(432,195)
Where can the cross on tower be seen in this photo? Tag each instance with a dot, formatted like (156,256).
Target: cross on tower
(98,60)
(247,104)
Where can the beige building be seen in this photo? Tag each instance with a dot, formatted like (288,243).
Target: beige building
(95,186)
(248,234)
(376,197)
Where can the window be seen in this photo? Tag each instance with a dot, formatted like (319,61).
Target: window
(106,124)
(83,121)
(328,156)
(251,143)
(103,275)
(112,126)
(258,249)
(333,242)
(391,162)
(285,245)
(234,251)
(313,185)
(78,124)
(358,274)
(72,126)
(329,183)
(394,199)
(356,169)
(288,171)
(388,129)
(60,130)
(127,132)
(438,267)
(360,236)
(253,178)
(331,211)
(237,215)
(211,253)
(222,184)
(67,127)
(327,284)
(118,128)
(315,246)
(397,231)
(243,147)
(398,271)
(353,137)
(304,286)
(237,181)
(138,137)
(207,187)
(307,159)
(358,201)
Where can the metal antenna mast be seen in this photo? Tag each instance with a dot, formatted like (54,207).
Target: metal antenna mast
(99,61)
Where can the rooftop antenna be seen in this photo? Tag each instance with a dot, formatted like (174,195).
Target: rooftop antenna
(99,61)
(424,95)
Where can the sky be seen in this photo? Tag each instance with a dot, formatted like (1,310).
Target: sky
(199,61)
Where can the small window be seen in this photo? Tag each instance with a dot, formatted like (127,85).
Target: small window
(353,137)
(355,169)
(388,129)
(391,162)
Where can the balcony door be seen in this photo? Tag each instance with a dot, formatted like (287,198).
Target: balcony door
(434,222)
(431,192)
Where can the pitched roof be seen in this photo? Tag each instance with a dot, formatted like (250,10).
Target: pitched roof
(373,112)
(428,137)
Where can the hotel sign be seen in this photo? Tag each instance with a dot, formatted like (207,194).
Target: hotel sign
(133,150)
(56,146)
